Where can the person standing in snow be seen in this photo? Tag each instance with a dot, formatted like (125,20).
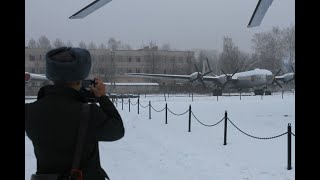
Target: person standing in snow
(52,121)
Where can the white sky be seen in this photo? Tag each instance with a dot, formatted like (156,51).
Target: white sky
(184,24)
(154,150)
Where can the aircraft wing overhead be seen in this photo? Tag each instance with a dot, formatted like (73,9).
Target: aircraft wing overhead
(286,77)
(31,76)
(160,76)
(89,9)
(259,13)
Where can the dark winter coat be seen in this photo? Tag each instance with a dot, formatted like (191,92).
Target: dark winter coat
(52,124)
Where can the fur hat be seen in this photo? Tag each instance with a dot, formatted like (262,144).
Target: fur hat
(67,64)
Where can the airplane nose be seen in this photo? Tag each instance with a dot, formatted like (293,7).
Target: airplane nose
(270,77)
(27,77)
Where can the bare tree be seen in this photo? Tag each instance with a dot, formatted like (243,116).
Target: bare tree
(102,46)
(69,44)
(32,43)
(126,47)
(289,43)
(58,43)
(152,44)
(92,45)
(269,49)
(165,47)
(113,44)
(43,42)
(82,45)
(230,59)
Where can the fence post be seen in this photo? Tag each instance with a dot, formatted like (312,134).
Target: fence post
(164,93)
(166,113)
(149,110)
(225,128)
(129,104)
(192,96)
(138,104)
(190,118)
(122,103)
(289,146)
(282,94)
(240,95)
(217,98)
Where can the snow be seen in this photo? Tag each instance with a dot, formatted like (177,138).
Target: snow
(256,71)
(154,150)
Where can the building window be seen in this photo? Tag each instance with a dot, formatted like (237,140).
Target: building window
(120,71)
(129,60)
(137,70)
(31,57)
(101,71)
(42,71)
(40,57)
(165,71)
(147,71)
(33,70)
(180,60)
(138,59)
(101,58)
(129,70)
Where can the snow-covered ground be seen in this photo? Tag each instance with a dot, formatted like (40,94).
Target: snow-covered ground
(153,150)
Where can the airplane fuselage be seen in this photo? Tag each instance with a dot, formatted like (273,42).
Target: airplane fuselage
(256,78)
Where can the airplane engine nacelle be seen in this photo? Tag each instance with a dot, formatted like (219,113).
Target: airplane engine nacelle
(288,77)
(27,77)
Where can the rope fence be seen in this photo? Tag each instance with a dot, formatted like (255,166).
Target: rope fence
(225,118)
(272,137)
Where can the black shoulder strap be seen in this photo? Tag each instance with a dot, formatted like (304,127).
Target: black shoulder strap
(81,136)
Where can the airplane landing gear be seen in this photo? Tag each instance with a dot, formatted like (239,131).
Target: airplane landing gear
(267,93)
(258,92)
(217,92)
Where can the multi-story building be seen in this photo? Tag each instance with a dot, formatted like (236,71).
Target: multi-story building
(111,66)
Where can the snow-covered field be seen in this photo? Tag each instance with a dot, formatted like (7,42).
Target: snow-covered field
(153,150)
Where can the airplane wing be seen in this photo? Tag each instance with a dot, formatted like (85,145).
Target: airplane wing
(286,77)
(160,76)
(89,9)
(215,79)
(32,76)
(42,77)
(259,13)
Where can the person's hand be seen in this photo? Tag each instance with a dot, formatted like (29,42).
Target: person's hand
(99,89)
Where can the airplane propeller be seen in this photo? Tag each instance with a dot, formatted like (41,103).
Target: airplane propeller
(228,77)
(294,75)
(200,75)
(210,71)
(274,79)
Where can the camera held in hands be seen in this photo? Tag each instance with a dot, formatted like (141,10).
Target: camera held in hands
(86,92)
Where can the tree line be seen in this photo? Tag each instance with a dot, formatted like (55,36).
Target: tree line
(273,50)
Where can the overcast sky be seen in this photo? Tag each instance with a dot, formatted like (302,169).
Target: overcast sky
(184,24)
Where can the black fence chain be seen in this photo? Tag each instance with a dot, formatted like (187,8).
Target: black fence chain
(126,102)
(293,134)
(256,136)
(144,106)
(178,114)
(134,104)
(156,110)
(206,124)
